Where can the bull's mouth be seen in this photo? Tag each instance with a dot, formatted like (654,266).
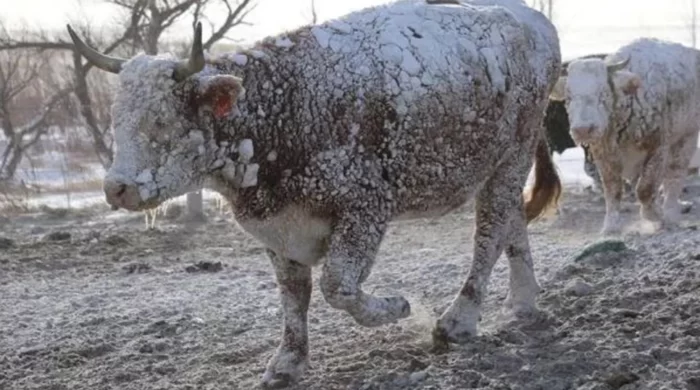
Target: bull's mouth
(149,204)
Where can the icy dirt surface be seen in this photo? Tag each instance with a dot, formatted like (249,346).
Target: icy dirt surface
(90,300)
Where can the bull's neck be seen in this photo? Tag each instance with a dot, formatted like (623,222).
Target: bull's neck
(253,148)
(620,114)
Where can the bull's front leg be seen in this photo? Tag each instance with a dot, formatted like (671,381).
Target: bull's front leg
(611,175)
(648,185)
(352,249)
(291,358)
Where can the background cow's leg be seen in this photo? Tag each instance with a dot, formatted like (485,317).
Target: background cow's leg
(590,168)
(291,357)
(648,185)
(610,169)
(680,154)
(351,253)
(495,204)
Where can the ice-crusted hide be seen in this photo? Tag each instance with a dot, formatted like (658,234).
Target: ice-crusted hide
(162,147)
(638,112)
(321,136)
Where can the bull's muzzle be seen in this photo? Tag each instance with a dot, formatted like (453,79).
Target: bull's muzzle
(122,195)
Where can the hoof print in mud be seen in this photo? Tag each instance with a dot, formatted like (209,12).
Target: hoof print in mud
(618,379)
(204,266)
(136,268)
(6,243)
(57,236)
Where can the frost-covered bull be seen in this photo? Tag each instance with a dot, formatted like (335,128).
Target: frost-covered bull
(638,110)
(321,136)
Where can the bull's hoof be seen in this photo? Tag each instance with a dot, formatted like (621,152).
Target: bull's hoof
(284,369)
(278,381)
(686,207)
(608,231)
(382,311)
(448,331)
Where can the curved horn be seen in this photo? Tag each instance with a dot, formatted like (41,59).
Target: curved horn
(102,61)
(185,69)
(565,64)
(612,68)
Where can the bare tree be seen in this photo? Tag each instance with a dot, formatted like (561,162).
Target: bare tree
(693,22)
(29,96)
(544,6)
(314,15)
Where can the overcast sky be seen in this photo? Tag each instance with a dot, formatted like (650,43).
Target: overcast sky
(585,26)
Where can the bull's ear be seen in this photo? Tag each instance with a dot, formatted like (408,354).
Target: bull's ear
(219,94)
(628,82)
(559,90)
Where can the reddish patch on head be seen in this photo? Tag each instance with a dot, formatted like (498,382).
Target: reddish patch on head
(631,87)
(222,106)
(220,94)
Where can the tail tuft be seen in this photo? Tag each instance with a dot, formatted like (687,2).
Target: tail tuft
(544,194)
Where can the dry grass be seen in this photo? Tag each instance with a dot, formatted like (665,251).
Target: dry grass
(14,199)
(87,185)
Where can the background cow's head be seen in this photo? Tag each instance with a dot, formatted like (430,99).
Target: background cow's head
(590,88)
(158,117)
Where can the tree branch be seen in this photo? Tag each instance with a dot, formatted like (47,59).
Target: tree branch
(234,18)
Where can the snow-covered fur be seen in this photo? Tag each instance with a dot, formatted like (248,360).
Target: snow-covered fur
(640,121)
(321,136)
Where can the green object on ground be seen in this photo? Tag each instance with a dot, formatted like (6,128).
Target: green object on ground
(600,247)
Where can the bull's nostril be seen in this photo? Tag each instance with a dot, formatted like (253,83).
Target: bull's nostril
(121,190)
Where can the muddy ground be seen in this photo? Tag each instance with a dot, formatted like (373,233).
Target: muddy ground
(89,299)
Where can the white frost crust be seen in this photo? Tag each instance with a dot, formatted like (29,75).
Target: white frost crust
(145,98)
(670,74)
(245,149)
(409,50)
(420,44)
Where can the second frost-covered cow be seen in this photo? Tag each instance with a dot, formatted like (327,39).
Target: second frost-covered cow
(321,136)
(638,110)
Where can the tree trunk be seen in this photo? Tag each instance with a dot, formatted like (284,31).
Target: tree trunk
(104,153)
(11,167)
(10,160)
(195,208)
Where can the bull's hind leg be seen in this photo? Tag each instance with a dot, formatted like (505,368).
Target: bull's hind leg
(523,287)
(291,357)
(648,185)
(351,253)
(496,204)
(680,156)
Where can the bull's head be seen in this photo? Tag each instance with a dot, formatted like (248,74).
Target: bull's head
(163,145)
(590,88)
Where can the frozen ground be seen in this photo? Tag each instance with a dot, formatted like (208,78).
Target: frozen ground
(90,300)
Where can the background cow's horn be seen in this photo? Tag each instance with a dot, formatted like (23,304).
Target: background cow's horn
(195,63)
(612,68)
(102,61)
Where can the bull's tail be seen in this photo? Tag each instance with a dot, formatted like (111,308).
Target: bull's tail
(544,194)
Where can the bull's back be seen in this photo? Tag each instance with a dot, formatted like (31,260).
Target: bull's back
(412,49)
(670,75)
